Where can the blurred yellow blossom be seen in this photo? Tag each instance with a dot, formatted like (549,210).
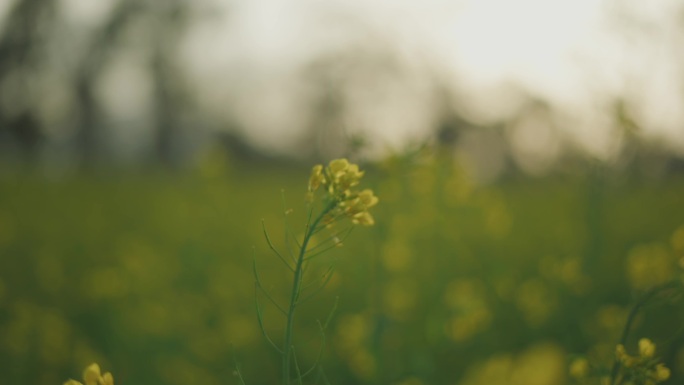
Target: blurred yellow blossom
(316,178)
(337,167)
(93,376)
(411,381)
(364,219)
(622,356)
(662,373)
(649,265)
(471,314)
(646,348)
(641,369)
(678,240)
(541,364)
(338,178)
(579,368)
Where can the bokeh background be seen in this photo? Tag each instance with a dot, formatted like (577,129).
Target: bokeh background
(528,157)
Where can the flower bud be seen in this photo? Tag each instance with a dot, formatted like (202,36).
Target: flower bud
(662,373)
(646,348)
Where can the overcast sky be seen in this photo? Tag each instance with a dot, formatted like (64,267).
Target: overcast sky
(252,59)
(580,55)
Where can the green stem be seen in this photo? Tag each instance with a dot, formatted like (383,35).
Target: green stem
(614,379)
(296,289)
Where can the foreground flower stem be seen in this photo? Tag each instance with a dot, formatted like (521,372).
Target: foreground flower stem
(296,289)
(646,298)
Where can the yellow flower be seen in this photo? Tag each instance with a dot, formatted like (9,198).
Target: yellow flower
(367,198)
(353,175)
(107,379)
(646,348)
(362,202)
(579,368)
(620,352)
(91,375)
(337,167)
(343,175)
(363,218)
(623,357)
(317,178)
(662,373)
(338,179)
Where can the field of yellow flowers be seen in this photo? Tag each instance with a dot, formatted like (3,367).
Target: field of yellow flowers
(529,281)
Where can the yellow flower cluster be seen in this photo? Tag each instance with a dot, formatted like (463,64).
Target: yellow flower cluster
(92,376)
(579,368)
(643,366)
(338,180)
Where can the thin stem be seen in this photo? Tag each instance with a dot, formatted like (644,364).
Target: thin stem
(630,320)
(257,281)
(320,287)
(336,237)
(238,371)
(296,289)
(322,328)
(336,243)
(260,318)
(314,282)
(299,373)
(270,245)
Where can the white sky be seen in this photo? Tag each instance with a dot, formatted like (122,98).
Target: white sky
(580,55)
(253,59)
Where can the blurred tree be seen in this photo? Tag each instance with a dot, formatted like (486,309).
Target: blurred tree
(171,96)
(27,47)
(22,53)
(328,131)
(91,64)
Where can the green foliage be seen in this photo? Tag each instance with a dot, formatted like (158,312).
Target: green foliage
(151,276)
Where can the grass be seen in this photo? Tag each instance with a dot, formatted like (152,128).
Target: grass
(150,275)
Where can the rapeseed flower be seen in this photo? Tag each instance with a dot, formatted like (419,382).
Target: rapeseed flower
(646,348)
(579,368)
(338,180)
(317,178)
(662,373)
(622,356)
(642,369)
(93,376)
(364,219)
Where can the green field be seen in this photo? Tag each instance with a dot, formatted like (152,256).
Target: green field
(150,275)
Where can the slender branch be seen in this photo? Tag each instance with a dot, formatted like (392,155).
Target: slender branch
(318,289)
(332,313)
(268,296)
(288,232)
(308,285)
(630,320)
(316,254)
(270,245)
(311,227)
(260,318)
(257,280)
(238,371)
(322,328)
(327,248)
(332,237)
(299,373)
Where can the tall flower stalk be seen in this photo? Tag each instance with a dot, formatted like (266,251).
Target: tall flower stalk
(333,197)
